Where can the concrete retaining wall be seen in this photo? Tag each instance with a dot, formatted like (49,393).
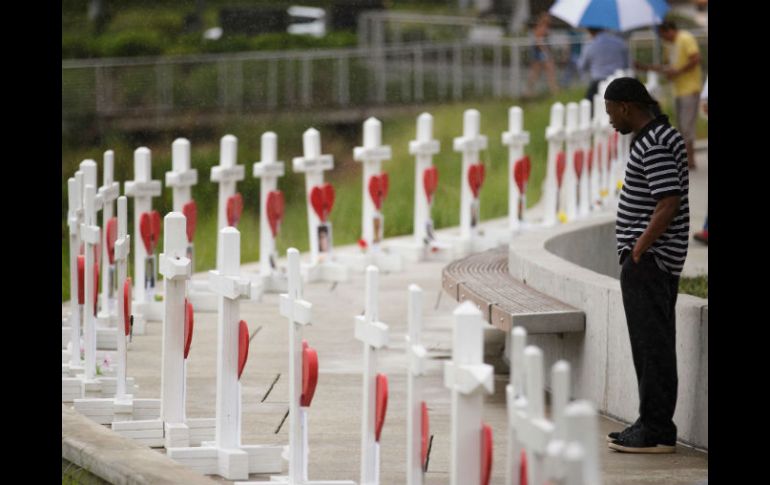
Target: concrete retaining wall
(577,264)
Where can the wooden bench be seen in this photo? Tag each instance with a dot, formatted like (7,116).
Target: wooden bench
(483,279)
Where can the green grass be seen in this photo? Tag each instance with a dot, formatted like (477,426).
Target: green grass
(698,286)
(346,176)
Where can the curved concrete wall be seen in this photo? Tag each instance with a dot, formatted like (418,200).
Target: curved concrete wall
(577,264)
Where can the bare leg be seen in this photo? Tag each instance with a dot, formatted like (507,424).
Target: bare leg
(534,74)
(550,70)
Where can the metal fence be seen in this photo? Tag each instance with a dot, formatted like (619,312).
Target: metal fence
(308,80)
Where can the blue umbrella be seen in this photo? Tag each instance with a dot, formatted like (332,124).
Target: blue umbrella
(620,15)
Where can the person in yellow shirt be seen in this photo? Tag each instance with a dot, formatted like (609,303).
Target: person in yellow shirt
(682,56)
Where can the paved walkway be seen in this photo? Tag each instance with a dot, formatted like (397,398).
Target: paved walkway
(334,420)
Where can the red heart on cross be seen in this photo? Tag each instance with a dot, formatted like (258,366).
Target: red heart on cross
(234,209)
(578,160)
(561,163)
(430,182)
(81,279)
(425,434)
(486,454)
(521,170)
(476,178)
(190,211)
(378,189)
(381,392)
(111,235)
(274,209)
(309,374)
(322,200)
(149,227)
(188,327)
(590,160)
(243,346)
(127,305)
(523,468)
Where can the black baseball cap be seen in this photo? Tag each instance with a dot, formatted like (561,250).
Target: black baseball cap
(628,89)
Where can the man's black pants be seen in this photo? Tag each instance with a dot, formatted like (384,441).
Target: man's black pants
(649,300)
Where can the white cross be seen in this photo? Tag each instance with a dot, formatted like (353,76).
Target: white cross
(268,169)
(227,174)
(122,248)
(143,189)
(90,234)
(226,282)
(568,192)
(584,195)
(371,155)
(470,144)
(423,148)
(108,193)
(416,358)
(600,149)
(560,382)
(468,379)
(89,169)
(555,135)
(516,401)
(176,270)
(181,178)
(313,164)
(374,335)
(299,314)
(533,428)
(74,220)
(516,139)
(583,428)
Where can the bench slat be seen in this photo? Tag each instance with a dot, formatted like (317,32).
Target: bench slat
(483,279)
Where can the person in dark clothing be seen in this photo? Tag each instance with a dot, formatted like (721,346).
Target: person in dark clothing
(652,231)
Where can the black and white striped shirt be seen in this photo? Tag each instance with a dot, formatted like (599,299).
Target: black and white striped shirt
(657,168)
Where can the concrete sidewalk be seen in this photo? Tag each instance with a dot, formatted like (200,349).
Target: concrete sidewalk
(335,417)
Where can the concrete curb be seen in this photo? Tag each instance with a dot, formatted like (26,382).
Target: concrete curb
(118,460)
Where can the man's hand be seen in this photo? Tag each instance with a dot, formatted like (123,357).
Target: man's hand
(665,211)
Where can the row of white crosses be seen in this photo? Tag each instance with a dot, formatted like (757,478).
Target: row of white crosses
(86,174)
(560,450)
(225,455)
(122,406)
(82,378)
(589,174)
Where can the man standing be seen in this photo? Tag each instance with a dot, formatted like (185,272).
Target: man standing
(652,231)
(683,57)
(602,57)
